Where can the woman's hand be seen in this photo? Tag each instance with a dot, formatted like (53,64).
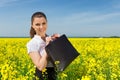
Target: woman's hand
(55,36)
(51,38)
(48,39)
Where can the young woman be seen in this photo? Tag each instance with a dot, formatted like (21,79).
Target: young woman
(36,47)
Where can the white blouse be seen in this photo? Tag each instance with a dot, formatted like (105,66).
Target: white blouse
(37,44)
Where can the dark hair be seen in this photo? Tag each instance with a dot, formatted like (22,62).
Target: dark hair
(38,15)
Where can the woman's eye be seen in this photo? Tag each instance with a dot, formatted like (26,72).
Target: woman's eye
(37,24)
(44,23)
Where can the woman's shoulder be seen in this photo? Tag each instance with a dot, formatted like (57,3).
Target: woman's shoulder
(32,41)
(32,45)
(35,41)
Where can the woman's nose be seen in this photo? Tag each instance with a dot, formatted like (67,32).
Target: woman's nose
(41,26)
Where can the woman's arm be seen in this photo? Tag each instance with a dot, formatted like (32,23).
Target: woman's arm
(39,61)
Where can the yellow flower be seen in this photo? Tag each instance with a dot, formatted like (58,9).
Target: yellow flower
(57,62)
(44,70)
(85,78)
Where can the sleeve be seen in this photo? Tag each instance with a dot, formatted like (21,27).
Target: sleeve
(32,46)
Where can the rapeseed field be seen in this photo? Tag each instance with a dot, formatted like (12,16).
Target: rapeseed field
(99,59)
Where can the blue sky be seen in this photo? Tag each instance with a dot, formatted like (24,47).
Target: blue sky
(70,17)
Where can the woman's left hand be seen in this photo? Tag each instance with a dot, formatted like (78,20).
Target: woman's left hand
(55,36)
(48,39)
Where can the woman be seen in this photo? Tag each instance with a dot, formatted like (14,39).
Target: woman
(36,47)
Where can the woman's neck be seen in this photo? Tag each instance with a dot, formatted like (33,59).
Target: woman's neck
(43,36)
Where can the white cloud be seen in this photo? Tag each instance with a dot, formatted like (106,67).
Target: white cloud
(6,2)
(92,22)
(91,17)
(102,17)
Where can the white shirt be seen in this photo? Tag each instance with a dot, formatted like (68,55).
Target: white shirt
(37,44)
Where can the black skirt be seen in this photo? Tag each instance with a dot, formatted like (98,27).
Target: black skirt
(49,74)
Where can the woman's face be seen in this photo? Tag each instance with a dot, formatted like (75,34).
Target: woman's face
(40,26)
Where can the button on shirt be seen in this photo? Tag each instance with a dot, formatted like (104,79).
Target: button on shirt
(37,44)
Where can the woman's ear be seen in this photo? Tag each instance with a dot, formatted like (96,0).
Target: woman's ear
(33,27)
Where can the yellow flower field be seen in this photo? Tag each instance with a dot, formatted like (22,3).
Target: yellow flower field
(99,59)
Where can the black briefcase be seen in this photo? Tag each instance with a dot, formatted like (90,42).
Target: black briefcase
(61,52)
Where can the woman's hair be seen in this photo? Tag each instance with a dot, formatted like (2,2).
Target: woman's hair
(36,15)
